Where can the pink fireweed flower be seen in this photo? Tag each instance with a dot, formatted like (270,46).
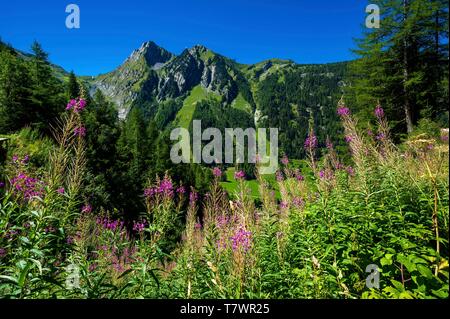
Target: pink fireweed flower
(311,142)
(77,105)
(326,174)
(241,239)
(69,240)
(27,186)
(348,138)
(343,111)
(285,160)
(284,205)
(239,175)
(222,221)
(217,172)
(15,158)
(279,176)
(198,226)
(193,197)
(329,145)
(149,192)
(61,190)
(80,131)
(298,175)
(350,171)
(379,112)
(298,202)
(86,209)
(165,187)
(138,226)
(81,104)
(181,190)
(71,104)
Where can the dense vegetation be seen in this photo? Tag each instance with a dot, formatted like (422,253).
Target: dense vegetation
(389,209)
(91,205)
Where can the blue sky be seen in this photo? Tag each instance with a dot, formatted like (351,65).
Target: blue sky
(249,31)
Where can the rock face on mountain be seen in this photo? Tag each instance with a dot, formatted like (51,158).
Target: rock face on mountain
(165,76)
(124,84)
(194,66)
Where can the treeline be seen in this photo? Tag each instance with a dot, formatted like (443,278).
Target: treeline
(404,64)
(305,97)
(29,93)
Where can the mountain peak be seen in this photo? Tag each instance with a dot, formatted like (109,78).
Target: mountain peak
(151,52)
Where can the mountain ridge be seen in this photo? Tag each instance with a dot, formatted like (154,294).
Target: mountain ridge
(163,75)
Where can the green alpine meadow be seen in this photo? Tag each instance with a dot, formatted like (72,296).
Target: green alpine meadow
(92,205)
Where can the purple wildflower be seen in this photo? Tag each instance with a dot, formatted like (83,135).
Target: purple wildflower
(380,136)
(181,190)
(2,184)
(86,209)
(283,205)
(71,104)
(311,142)
(217,172)
(298,202)
(350,171)
(239,175)
(138,226)
(2,252)
(25,159)
(348,138)
(61,190)
(379,112)
(27,187)
(279,176)
(285,160)
(80,131)
(165,187)
(221,221)
(81,104)
(299,176)
(149,192)
(193,196)
(241,239)
(198,226)
(326,174)
(343,111)
(15,158)
(329,145)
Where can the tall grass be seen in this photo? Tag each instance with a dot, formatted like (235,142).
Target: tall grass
(388,208)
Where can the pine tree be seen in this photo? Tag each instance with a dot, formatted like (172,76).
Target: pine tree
(73,88)
(15,93)
(404,63)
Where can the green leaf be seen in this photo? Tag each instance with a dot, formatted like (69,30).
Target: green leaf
(425,271)
(9,278)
